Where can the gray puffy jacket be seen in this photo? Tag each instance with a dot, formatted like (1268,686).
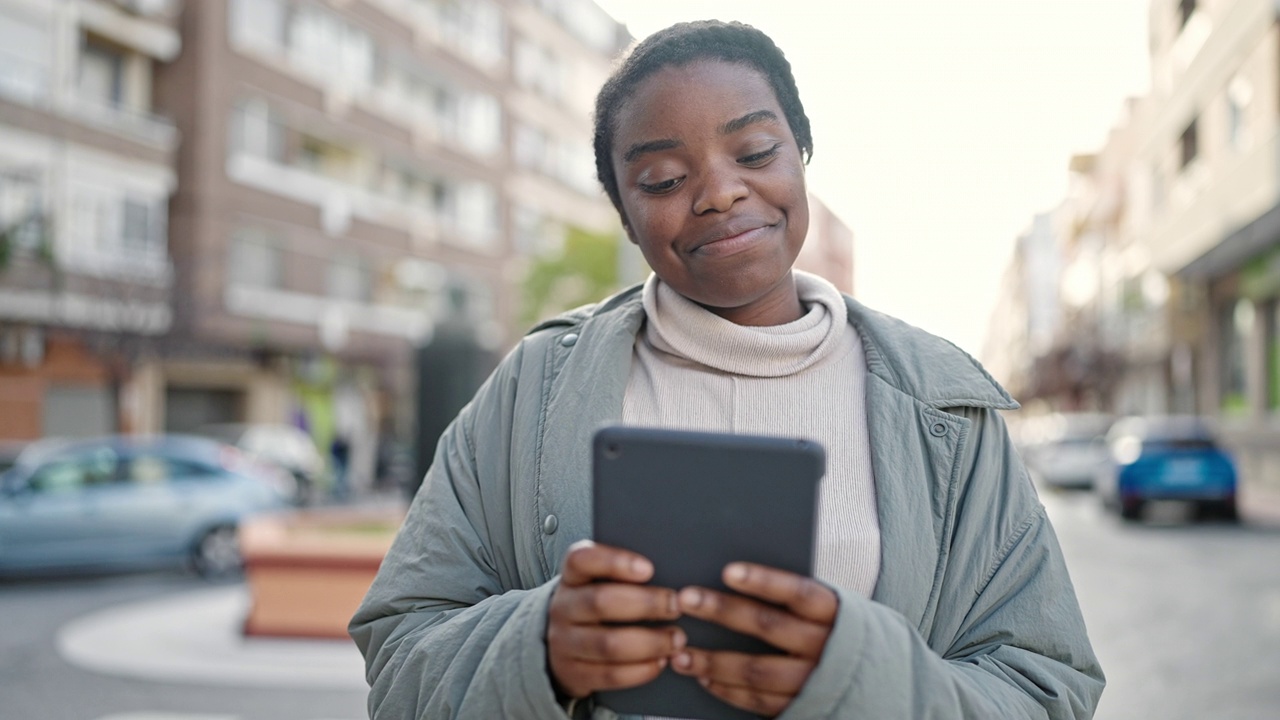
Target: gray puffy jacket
(973,615)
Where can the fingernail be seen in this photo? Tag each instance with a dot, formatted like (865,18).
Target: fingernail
(674,605)
(735,572)
(662,663)
(640,566)
(691,597)
(683,661)
(704,682)
(678,640)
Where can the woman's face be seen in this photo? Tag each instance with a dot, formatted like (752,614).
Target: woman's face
(712,188)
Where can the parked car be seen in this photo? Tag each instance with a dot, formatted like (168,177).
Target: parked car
(284,446)
(1068,450)
(1167,458)
(9,451)
(129,502)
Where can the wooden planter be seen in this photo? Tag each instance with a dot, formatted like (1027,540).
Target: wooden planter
(307,571)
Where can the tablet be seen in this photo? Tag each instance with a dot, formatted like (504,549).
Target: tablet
(692,502)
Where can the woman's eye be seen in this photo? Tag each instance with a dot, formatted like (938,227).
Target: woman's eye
(760,158)
(662,187)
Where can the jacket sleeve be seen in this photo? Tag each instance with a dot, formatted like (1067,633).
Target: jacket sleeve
(446,629)
(1007,639)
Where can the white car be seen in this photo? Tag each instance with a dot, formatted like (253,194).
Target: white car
(1068,450)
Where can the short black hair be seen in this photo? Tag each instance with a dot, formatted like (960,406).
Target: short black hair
(681,44)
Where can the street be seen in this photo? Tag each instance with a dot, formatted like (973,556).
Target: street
(36,683)
(1185,618)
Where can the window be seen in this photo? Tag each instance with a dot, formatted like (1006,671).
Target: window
(331,47)
(76,473)
(349,279)
(1235,325)
(142,230)
(106,221)
(1189,146)
(1239,96)
(256,131)
(259,23)
(101,74)
(26,57)
(473,27)
(21,210)
(538,69)
(481,129)
(477,212)
(256,260)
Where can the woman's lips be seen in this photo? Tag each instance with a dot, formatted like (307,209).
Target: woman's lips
(731,244)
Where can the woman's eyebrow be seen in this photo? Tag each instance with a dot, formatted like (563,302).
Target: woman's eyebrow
(641,148)
(750,118)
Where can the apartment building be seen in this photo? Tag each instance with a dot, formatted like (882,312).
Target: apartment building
(87,169)
(1213,155)
(1171,238)
(355,175)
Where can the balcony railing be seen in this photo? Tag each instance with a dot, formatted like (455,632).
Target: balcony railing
(141,126)
(333,196)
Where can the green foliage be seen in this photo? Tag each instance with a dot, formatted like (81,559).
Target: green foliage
(584,271)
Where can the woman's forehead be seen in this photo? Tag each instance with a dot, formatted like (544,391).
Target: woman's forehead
(695,95)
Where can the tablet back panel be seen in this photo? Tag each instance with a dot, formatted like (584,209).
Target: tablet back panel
(692,502)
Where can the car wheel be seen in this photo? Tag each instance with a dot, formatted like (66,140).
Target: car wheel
(217,552)
(1131,509)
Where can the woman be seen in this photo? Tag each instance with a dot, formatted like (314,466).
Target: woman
(940,589)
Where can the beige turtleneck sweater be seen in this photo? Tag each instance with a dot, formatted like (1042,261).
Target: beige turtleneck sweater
(693,369)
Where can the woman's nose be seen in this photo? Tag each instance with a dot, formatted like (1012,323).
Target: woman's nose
(719,191)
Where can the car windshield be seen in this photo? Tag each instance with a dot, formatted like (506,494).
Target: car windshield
(1159,443)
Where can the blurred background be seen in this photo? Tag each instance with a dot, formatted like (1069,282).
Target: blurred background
(256,254)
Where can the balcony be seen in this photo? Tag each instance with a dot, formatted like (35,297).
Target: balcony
(339,201)
(142,127)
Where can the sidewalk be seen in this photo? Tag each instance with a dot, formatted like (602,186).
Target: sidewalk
(1259,505)
(194,637)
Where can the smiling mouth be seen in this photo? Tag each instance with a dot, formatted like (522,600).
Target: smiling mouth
(730,244)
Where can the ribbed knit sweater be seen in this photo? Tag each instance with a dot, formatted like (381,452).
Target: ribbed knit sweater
(692,369)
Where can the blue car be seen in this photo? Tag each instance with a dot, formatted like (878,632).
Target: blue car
(130,502)
(1168,458)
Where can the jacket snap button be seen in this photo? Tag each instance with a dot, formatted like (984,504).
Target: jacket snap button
(550,525)
(937,429)
(569,340)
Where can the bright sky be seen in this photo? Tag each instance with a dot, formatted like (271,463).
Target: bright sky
(941,126)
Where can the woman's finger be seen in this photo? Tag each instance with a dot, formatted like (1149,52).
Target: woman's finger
(587,562)
(613,602)
(804,596)
(776,626)
(622,644)
(755,701)
(609,676)
(783,674)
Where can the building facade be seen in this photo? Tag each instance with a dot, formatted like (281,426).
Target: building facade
(87,169)
(1175,233)
(354,177)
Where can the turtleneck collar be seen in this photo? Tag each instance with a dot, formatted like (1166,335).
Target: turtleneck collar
(680,327)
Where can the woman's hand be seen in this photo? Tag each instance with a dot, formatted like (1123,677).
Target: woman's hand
(598,585)
(762,684)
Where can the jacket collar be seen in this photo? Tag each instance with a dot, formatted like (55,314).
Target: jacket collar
(924,366)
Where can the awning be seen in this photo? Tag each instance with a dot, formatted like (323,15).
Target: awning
(1248,242)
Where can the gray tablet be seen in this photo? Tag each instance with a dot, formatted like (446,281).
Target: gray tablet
(693,502)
